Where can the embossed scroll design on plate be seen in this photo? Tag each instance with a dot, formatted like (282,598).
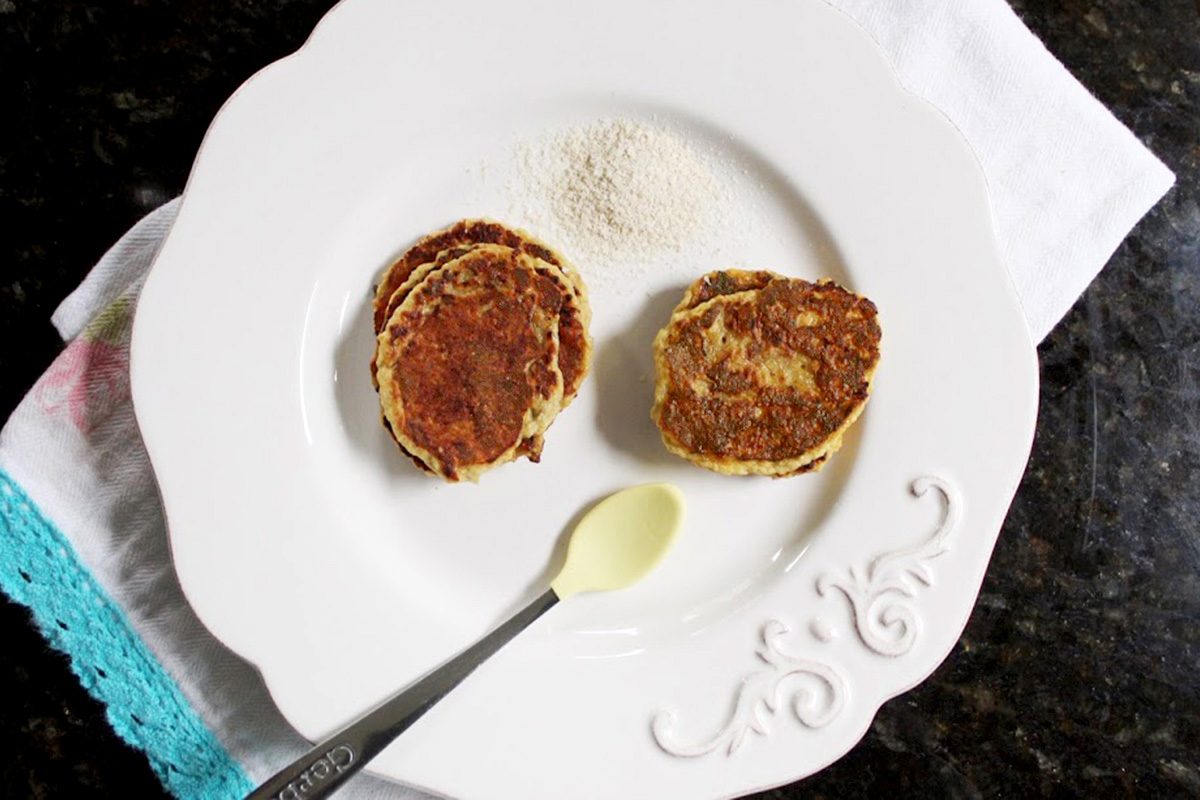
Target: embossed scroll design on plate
(881,598)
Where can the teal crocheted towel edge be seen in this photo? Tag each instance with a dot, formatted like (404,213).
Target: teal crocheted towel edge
(40,569)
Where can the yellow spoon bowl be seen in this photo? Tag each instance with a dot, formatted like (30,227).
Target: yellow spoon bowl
(620,540)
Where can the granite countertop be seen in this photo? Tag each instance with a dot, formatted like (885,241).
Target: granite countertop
(1078,673)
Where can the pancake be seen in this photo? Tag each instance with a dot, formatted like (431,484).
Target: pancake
(762,374)
(430,252)
(574,352)
(468,363)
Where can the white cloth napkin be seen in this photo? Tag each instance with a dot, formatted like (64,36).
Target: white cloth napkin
(1067,180)
(1067,183)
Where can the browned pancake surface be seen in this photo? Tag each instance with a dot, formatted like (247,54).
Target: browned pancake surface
(437,248)
(468,363)
(464,232)
(763,373)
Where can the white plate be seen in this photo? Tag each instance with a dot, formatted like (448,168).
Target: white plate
(311,547)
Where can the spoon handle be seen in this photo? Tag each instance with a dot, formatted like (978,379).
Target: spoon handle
(323,769)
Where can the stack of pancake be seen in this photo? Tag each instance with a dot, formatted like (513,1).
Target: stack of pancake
(481,339)
(762,374)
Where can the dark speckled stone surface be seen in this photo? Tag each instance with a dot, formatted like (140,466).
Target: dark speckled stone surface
(1079,673)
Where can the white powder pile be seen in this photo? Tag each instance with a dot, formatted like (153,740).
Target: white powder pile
(619,192)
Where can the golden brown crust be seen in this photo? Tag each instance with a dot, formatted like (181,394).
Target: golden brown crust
(464,232)
(574,348)
(415,277)
(433,251)
(763,374)
(468,363)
